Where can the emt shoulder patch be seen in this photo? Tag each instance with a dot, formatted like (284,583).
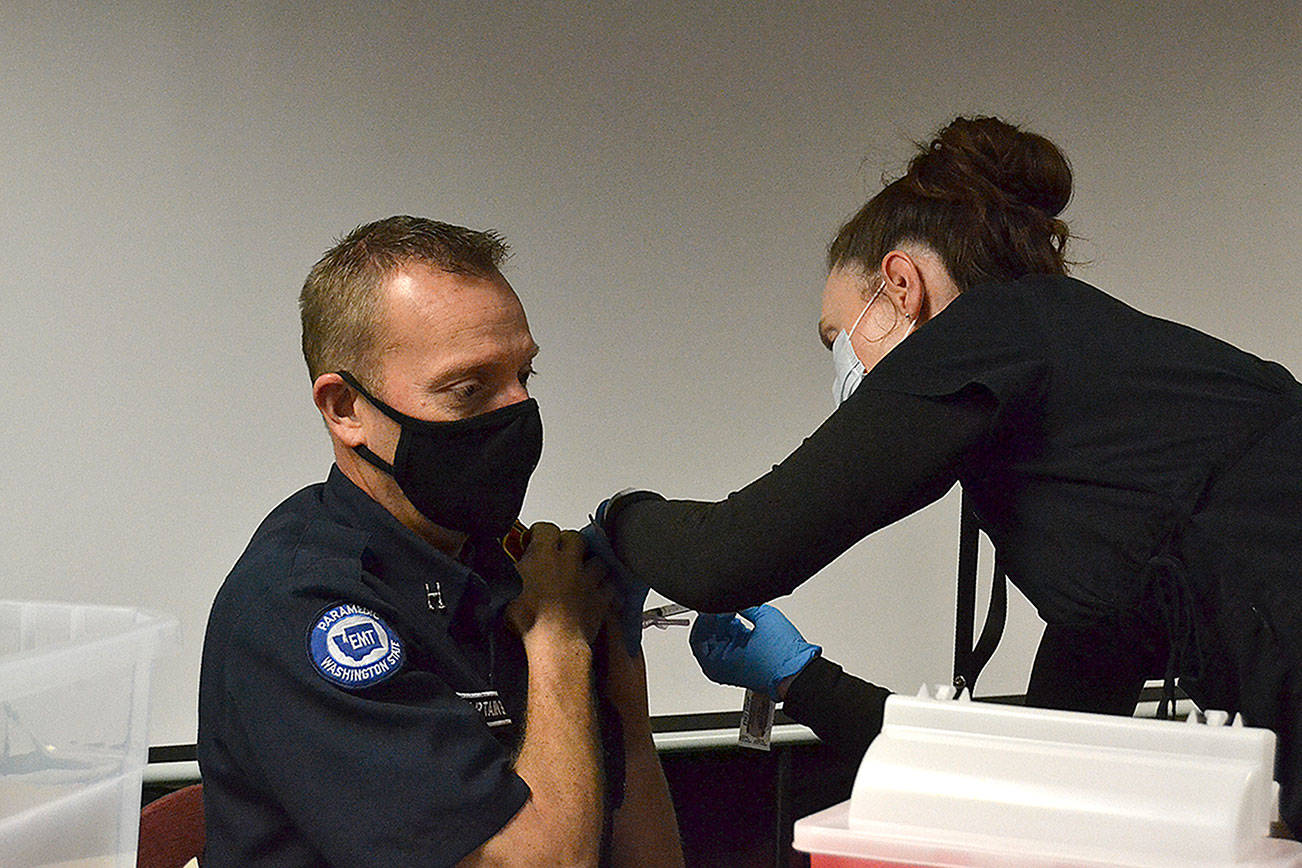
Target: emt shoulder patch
(352,647)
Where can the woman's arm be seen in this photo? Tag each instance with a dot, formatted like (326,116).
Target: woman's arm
(845,712)
(880,457)
(772,657)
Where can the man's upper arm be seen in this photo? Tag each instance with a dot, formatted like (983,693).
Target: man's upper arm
(374,760)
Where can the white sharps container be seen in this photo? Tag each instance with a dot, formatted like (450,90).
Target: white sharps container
(957,783)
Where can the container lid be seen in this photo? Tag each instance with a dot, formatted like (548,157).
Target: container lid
(963,783)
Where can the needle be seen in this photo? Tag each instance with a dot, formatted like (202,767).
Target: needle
(662,617)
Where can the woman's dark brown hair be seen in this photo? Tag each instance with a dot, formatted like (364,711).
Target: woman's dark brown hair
(983,194)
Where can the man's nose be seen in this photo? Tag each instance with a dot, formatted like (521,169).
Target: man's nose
(513,394)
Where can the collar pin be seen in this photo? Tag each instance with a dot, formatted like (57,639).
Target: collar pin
(434,598)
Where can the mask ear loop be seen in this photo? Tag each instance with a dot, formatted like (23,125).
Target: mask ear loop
(375,402)
(883,335)
(363,450)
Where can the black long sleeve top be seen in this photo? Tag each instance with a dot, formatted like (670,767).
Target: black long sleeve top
(1139,479)
(845,712)
(1086,432)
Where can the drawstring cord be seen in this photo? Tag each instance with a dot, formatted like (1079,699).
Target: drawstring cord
(1168,589)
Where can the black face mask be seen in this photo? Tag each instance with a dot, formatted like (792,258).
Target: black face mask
(468,475)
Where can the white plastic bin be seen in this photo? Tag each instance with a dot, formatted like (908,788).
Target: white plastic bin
(74,703)
(950,784)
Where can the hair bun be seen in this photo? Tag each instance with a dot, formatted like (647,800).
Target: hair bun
(985,158)
(982,194)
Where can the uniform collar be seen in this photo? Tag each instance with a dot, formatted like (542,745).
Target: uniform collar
(407,563)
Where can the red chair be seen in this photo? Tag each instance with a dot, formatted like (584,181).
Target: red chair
(171,829)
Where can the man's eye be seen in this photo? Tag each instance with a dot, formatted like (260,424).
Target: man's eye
(526,374)
(466,391)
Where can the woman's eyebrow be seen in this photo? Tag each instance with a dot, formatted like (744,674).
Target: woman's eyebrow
(825,333)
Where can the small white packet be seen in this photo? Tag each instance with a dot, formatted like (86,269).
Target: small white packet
(757,712)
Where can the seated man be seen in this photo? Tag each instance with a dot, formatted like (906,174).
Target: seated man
(381,684)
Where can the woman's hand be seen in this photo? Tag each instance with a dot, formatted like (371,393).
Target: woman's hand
(764,657)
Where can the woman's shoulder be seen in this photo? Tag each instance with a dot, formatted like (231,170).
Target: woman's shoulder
(1036,291)
(990,335)
(1038,310)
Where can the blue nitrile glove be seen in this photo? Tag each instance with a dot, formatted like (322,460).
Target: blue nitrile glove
(759,657)
(630,594)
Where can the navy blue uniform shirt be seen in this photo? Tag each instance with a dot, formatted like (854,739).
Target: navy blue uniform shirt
(360,699)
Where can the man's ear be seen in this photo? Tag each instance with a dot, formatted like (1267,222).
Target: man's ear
(339,407)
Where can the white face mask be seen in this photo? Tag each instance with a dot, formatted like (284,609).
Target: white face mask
(849,367)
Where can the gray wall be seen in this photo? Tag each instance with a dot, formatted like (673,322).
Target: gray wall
(668,175)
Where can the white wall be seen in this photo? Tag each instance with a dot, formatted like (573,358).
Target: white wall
(668,175)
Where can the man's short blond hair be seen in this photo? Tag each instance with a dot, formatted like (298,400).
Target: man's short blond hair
(340,303)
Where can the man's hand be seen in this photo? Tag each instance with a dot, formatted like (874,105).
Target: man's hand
(560,591)
(557,615)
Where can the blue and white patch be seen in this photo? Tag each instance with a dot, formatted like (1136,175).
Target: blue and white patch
(352,647)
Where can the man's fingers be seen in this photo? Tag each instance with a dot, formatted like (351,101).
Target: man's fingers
(543,535)
(572,544)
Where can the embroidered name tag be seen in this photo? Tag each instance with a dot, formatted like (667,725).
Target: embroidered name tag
(489,705)
(352,647)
